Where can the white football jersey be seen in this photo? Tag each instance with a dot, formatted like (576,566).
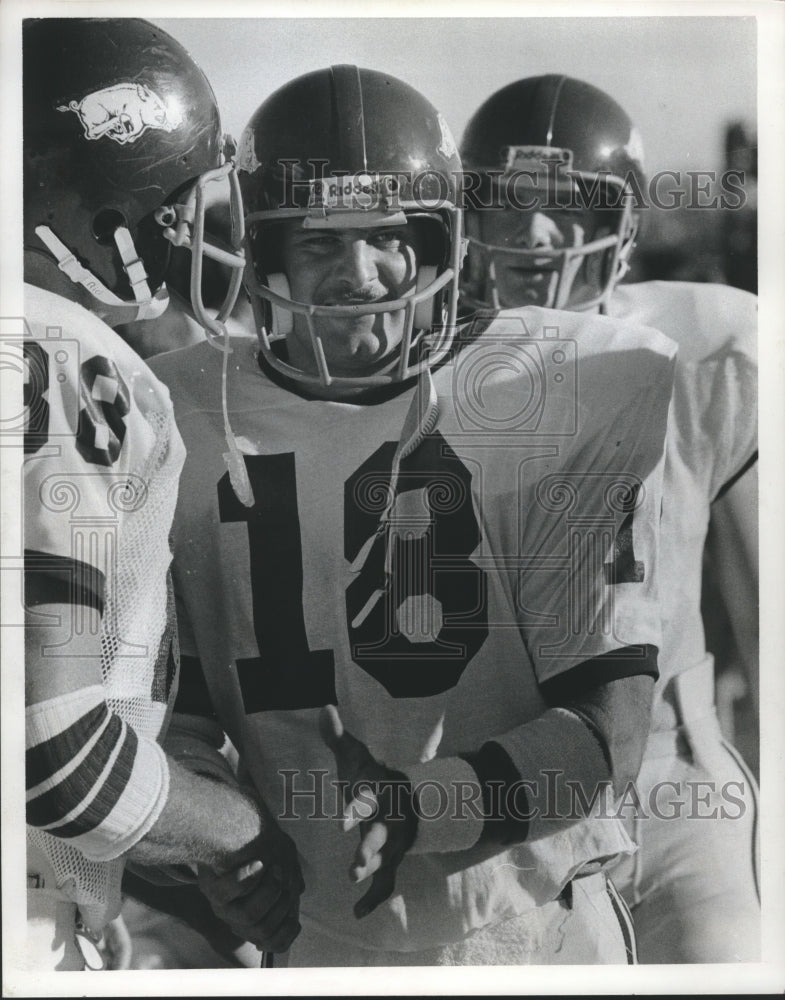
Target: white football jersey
(424,562)
(102,462)
(712,436)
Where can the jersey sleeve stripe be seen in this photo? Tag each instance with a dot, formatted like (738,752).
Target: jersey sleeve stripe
(630,661)
(53,579)
(53,778)
(63,747)
(57,802)
(112,785)
(496,770)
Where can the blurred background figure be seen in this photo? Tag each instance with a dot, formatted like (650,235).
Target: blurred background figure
(740,228)
(707,244)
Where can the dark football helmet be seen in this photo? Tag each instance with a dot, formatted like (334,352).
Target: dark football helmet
(552,144)
(123,154)
(346,147)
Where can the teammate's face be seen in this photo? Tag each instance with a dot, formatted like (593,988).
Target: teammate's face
(343,267)
(518,282)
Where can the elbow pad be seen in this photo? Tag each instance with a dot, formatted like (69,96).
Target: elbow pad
(91,779)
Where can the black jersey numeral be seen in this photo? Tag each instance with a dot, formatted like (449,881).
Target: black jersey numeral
(417,614)
(107,402)
(286,674)
(415,617)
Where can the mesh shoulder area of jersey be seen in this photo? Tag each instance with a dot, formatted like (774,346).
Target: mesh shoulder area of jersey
(63,326)
(102,462)
(100,435)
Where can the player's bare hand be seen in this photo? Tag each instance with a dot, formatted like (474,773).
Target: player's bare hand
(379,801)
(260,900)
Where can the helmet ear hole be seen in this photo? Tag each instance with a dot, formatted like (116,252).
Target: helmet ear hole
(283,320)
(105,223)
(423,311)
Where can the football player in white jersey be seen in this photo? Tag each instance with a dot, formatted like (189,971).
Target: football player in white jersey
(551,155)
(424,535)
(115,173)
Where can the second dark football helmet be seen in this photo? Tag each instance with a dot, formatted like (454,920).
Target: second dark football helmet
(123,153)
(552,144)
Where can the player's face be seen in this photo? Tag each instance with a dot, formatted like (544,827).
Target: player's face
(519,282)
(343,267)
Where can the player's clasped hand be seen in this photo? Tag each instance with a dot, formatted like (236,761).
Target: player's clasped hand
(260,900)
(379,801)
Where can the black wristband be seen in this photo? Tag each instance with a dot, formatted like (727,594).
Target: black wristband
(504,801)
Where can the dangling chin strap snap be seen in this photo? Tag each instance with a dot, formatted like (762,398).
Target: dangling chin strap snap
(233,457)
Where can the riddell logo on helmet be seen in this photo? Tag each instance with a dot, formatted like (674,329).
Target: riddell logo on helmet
(122,113)
(355,191)
(536,157)
(323,193)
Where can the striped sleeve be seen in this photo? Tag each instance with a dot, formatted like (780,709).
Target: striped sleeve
(56,579)
(90,778)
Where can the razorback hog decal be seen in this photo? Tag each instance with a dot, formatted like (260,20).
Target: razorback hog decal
(122,113)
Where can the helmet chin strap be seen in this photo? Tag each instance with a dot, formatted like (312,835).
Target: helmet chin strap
(146,305)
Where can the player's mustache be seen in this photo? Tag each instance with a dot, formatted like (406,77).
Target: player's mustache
(353,296)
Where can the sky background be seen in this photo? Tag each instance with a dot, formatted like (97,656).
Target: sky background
(681,78)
